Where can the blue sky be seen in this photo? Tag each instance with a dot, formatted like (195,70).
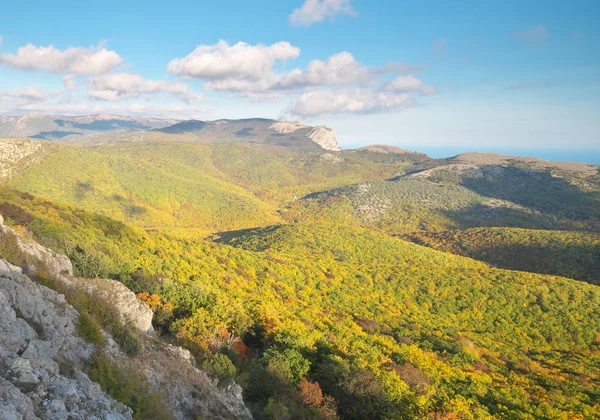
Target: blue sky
(481,74)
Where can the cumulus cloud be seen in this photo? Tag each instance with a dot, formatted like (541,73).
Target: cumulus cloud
(240,61)
(339,84)
(405,84)
(339,69)
(347,101)
(313,11)
(112,87)
(533,36)
(75,60)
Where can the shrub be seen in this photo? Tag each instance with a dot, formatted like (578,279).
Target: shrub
(276,410)
(290,364)
(219,366)
(89,330)
(129,387)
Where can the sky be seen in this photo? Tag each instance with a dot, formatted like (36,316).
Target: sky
(472,74)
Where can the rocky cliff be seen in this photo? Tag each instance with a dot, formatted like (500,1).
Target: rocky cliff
(324,137)
(43,361)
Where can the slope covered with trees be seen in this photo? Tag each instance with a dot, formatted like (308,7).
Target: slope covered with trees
(326,319)
(569,254)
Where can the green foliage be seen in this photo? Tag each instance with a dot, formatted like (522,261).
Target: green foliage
(570,254)
(289,363)
(220,366)
(276,410)
(189,188)
(128,386)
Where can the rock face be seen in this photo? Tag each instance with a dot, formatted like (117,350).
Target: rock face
(130,309)
(41,358)
(188,390)
(324,137)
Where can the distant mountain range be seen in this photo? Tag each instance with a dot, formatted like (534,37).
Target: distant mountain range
(119,128)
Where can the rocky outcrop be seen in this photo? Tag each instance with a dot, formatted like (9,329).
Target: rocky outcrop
(130,309)
(331,158)
(37,257)
(17,154)
(285,127)
(189,391)
(41,359)
(324,137)
(34,254)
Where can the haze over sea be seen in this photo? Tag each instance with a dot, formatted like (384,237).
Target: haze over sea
(591,156)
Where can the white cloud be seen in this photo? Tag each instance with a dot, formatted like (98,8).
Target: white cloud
(405,84)
(112,87)
(347,101)
(1,40)
(534,36)
(240,61)
(313,11)
(75,60)
(251,71)
(339,69)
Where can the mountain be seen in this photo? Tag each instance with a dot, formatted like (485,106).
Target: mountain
(370,283)
(258,131)
(106,128)
(52,127)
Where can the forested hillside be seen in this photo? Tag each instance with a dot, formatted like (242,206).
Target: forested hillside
(383,326)
(302,274)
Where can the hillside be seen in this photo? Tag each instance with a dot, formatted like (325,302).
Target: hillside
(206,188)
(293,270)
(570,254)
(382,325)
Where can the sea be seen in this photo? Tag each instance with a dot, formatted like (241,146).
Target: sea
(591,156)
